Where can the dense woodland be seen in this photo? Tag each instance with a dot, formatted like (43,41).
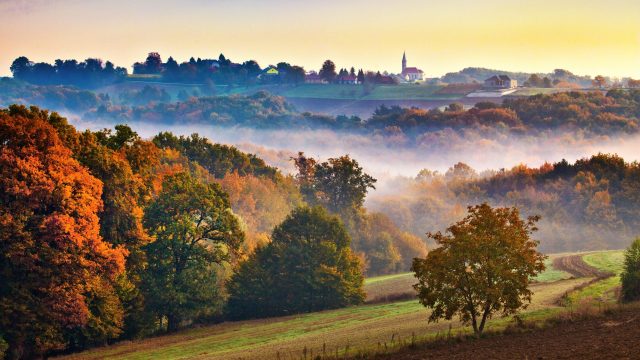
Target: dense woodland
(588,205)
(588,113)
(107,236)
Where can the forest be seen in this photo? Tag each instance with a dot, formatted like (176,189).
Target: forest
(587,205)
(107,236)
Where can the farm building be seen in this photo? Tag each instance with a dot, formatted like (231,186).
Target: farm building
(500,82)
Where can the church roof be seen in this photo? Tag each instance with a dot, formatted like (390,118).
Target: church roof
(412,70)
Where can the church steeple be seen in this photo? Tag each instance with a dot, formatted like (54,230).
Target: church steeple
(404,61)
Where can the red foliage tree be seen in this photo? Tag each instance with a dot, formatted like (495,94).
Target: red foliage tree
(52,258)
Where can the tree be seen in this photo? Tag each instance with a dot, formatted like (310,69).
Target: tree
(360,76)
(153,63)
(631,273)
(195,230)
(308,266)
(483,265)
(328,71)
(599,81)
(339,184)
(633,84)
(58,274)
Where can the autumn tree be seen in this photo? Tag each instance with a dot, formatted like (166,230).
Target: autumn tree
(482,266)
(308,266)
(599,81)
(195,232)
(631,273)
(58,274)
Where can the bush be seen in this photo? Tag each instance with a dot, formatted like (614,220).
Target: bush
(631,273)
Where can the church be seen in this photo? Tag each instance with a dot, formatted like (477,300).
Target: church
(410,73)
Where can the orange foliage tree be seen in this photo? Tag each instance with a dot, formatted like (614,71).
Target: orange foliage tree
(53,260)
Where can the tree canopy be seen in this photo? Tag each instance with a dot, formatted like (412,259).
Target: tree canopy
(631,273)
(483,266)
(194,230)
(57,272)
(308,266)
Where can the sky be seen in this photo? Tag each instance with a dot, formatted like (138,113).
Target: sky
(587,37)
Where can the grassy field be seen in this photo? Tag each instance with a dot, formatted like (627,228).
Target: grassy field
(380,92)
(605,291)
(360,328)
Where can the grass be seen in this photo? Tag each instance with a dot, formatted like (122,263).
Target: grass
(610,261)
(604,291)
(550,273)
(360,327)
(365,328)
(380,92)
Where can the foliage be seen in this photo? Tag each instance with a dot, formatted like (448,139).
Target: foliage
(482,266)
(218,159)
(587,205)
(58,273)
(194,230)
(90,73)
(339,184)
(148,94)
(631,274)
(308,266)
(52,97)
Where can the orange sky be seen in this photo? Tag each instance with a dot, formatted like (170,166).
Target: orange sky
(586,36)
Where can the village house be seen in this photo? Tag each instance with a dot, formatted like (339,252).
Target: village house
(500,82)
(312,77)
(347,80)
(410,73)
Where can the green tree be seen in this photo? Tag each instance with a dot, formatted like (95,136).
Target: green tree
(307,267)
(195,232)
(483,265)
(339,184)
(631,273)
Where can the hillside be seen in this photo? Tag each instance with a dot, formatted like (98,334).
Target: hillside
(368,328)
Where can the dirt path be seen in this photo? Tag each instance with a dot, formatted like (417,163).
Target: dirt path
(614,336)
(575,266)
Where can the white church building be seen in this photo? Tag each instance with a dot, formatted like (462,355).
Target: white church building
(410,73)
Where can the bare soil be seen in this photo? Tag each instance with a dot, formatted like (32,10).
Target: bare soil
(575,266)
(612,336)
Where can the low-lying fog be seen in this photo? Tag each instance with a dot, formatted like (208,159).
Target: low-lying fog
(387,158)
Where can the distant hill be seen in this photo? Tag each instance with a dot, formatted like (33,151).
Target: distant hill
(475,74)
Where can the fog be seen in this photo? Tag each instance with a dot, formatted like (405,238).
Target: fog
(387,157)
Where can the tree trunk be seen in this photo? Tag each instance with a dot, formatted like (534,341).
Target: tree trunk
(173,322)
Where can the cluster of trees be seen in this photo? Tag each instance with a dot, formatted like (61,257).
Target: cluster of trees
(536,81)
(328,73)
(340,185)
(107,236)
(54,97)
(616,112)
(588,205)
(91,73)
(559,77)
(221,71)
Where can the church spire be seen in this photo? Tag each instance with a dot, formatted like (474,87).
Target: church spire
(404,61)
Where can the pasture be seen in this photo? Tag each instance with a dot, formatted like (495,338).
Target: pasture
(349,330)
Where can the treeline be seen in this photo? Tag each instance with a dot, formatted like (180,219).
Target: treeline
(91,73)
(592,113)
(558,77)
(106,236)
(588,205)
